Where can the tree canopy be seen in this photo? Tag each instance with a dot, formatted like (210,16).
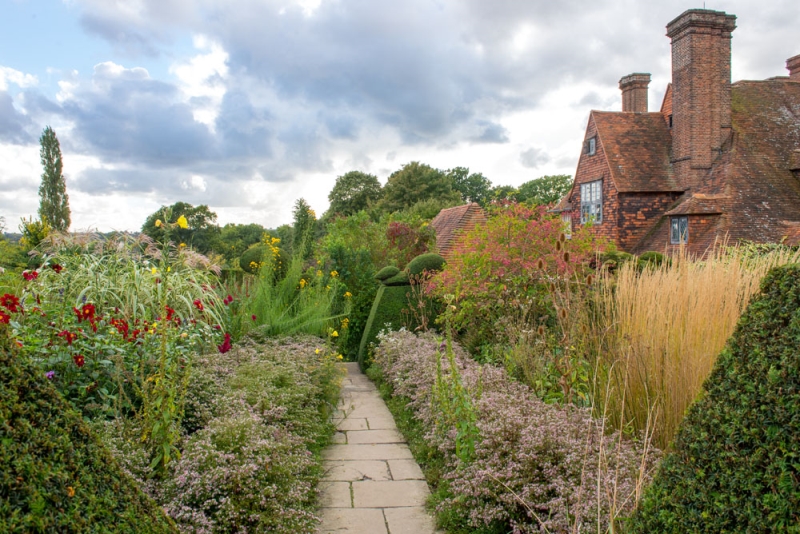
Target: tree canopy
(202,230)
(416,182)
(473,187)
(54,202)
(545,190)
(354,191)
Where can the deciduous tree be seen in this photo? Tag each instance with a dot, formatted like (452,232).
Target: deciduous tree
(354,191)
(54,202)
(416,182)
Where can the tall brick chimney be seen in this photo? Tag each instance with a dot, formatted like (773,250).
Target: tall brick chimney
(701,90)
(793,64)
(634,92)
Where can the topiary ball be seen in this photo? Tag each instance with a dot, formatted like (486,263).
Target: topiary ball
(252,258)
(429,262)
(400,279)
(386,273)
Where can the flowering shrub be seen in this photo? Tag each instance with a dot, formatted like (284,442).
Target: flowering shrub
(249,463)
(535,467)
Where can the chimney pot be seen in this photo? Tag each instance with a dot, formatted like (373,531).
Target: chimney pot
(634,92)
(793,64)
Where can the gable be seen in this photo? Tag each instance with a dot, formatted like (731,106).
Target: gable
(451,222)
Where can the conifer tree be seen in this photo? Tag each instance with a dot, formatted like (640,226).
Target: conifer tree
(54,202)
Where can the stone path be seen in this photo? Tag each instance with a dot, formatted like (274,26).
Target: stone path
(372,484)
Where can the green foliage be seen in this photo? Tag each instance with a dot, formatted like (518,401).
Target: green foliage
(611,259)
(54,202)
(651,259)
(430,262)
(55,475)
(734,467)
(250,262)
(504,193)
(303,229)
(33,233)
(425,210)
(545,190)
(387,312)
(386,273)
(473,187)
(353,192)
(234,239)
(416,182)
(201,233)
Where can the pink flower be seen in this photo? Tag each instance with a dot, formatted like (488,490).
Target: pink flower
(226,344)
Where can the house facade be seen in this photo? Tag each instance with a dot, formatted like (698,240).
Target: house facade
(718,161)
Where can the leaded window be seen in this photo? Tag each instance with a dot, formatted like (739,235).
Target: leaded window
(592,202)
(679,230)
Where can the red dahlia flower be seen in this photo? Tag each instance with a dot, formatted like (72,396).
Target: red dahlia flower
(56,267)
(4,317)
(68,336)
(78,359)
(198,304)
(10,302)
(30,275)
(226,344)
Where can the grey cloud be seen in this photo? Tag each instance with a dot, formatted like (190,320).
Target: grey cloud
(533,158)
(491,133)
(14,125)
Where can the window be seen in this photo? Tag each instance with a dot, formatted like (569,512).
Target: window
(566,220)
(592,202)
(679,230)
(670,120)
(591,146)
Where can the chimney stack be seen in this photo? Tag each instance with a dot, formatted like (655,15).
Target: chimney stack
(701,85)
(793,64)
(634,92)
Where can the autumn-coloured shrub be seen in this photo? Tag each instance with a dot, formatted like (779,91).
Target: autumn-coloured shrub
(535,467)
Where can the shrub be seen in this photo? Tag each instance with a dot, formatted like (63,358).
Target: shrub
(387,312)
(386,273)
(400,279)
(535,467)
(252,257)
(651,259)
(55,475)
(734,467)
(612,259)
(429,262)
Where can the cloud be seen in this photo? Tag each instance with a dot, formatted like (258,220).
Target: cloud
(491,133)
(14,125)
(534,158)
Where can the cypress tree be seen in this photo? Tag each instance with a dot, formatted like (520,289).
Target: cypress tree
(54,203)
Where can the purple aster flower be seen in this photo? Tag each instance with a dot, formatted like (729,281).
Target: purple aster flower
(50,374)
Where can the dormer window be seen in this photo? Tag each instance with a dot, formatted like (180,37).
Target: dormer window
(679,230)
(592,202)
(591,146)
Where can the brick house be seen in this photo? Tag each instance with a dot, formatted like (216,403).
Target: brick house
(718,160)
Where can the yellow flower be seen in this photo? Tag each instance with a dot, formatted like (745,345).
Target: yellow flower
(183,245)
(275,240)
(334,274)
(347,295)
(334,334)
(319,262)
(70,491)
(182,222)
(302,283)
(153,270)
(319,273)
(184,334)
(339,357)
(316,351)
(169,269)
(253,265)
(158,223)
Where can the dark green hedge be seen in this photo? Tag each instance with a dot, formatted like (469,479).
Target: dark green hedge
(387,308)
(386,273)
(400,279)
(425,262)
(55,476)
(736,460)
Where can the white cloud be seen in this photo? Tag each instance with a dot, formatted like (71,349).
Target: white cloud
(20,79)
(202,79)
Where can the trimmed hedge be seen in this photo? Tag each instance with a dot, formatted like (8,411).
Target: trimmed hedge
(55,475)
(387,308)
(253,254)
(425,262)
(386,273)
(736,460)
(400,279)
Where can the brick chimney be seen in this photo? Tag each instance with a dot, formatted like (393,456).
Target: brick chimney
(793,64)
(701,85)
(634,92)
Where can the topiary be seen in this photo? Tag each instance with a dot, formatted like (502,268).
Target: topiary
(425,262)
(386,273)
(400,279)
(736,460)
(251,259)
(386,310)
(55,475)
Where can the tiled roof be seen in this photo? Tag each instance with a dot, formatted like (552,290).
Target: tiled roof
(637,147)
(752,183)
(452,221)
(563,205)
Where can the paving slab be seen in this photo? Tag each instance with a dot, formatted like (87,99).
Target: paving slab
(353,521)
(352,470)
(335,495)
(405,470)
(389,493)
(412,520)
(351,423)
(380,451)
(381,423)
(374,436)
(339,438)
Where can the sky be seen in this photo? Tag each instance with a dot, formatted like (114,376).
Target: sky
(248,105)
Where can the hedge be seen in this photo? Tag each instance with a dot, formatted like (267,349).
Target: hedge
(736,460)
(55,475)
(387,309)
